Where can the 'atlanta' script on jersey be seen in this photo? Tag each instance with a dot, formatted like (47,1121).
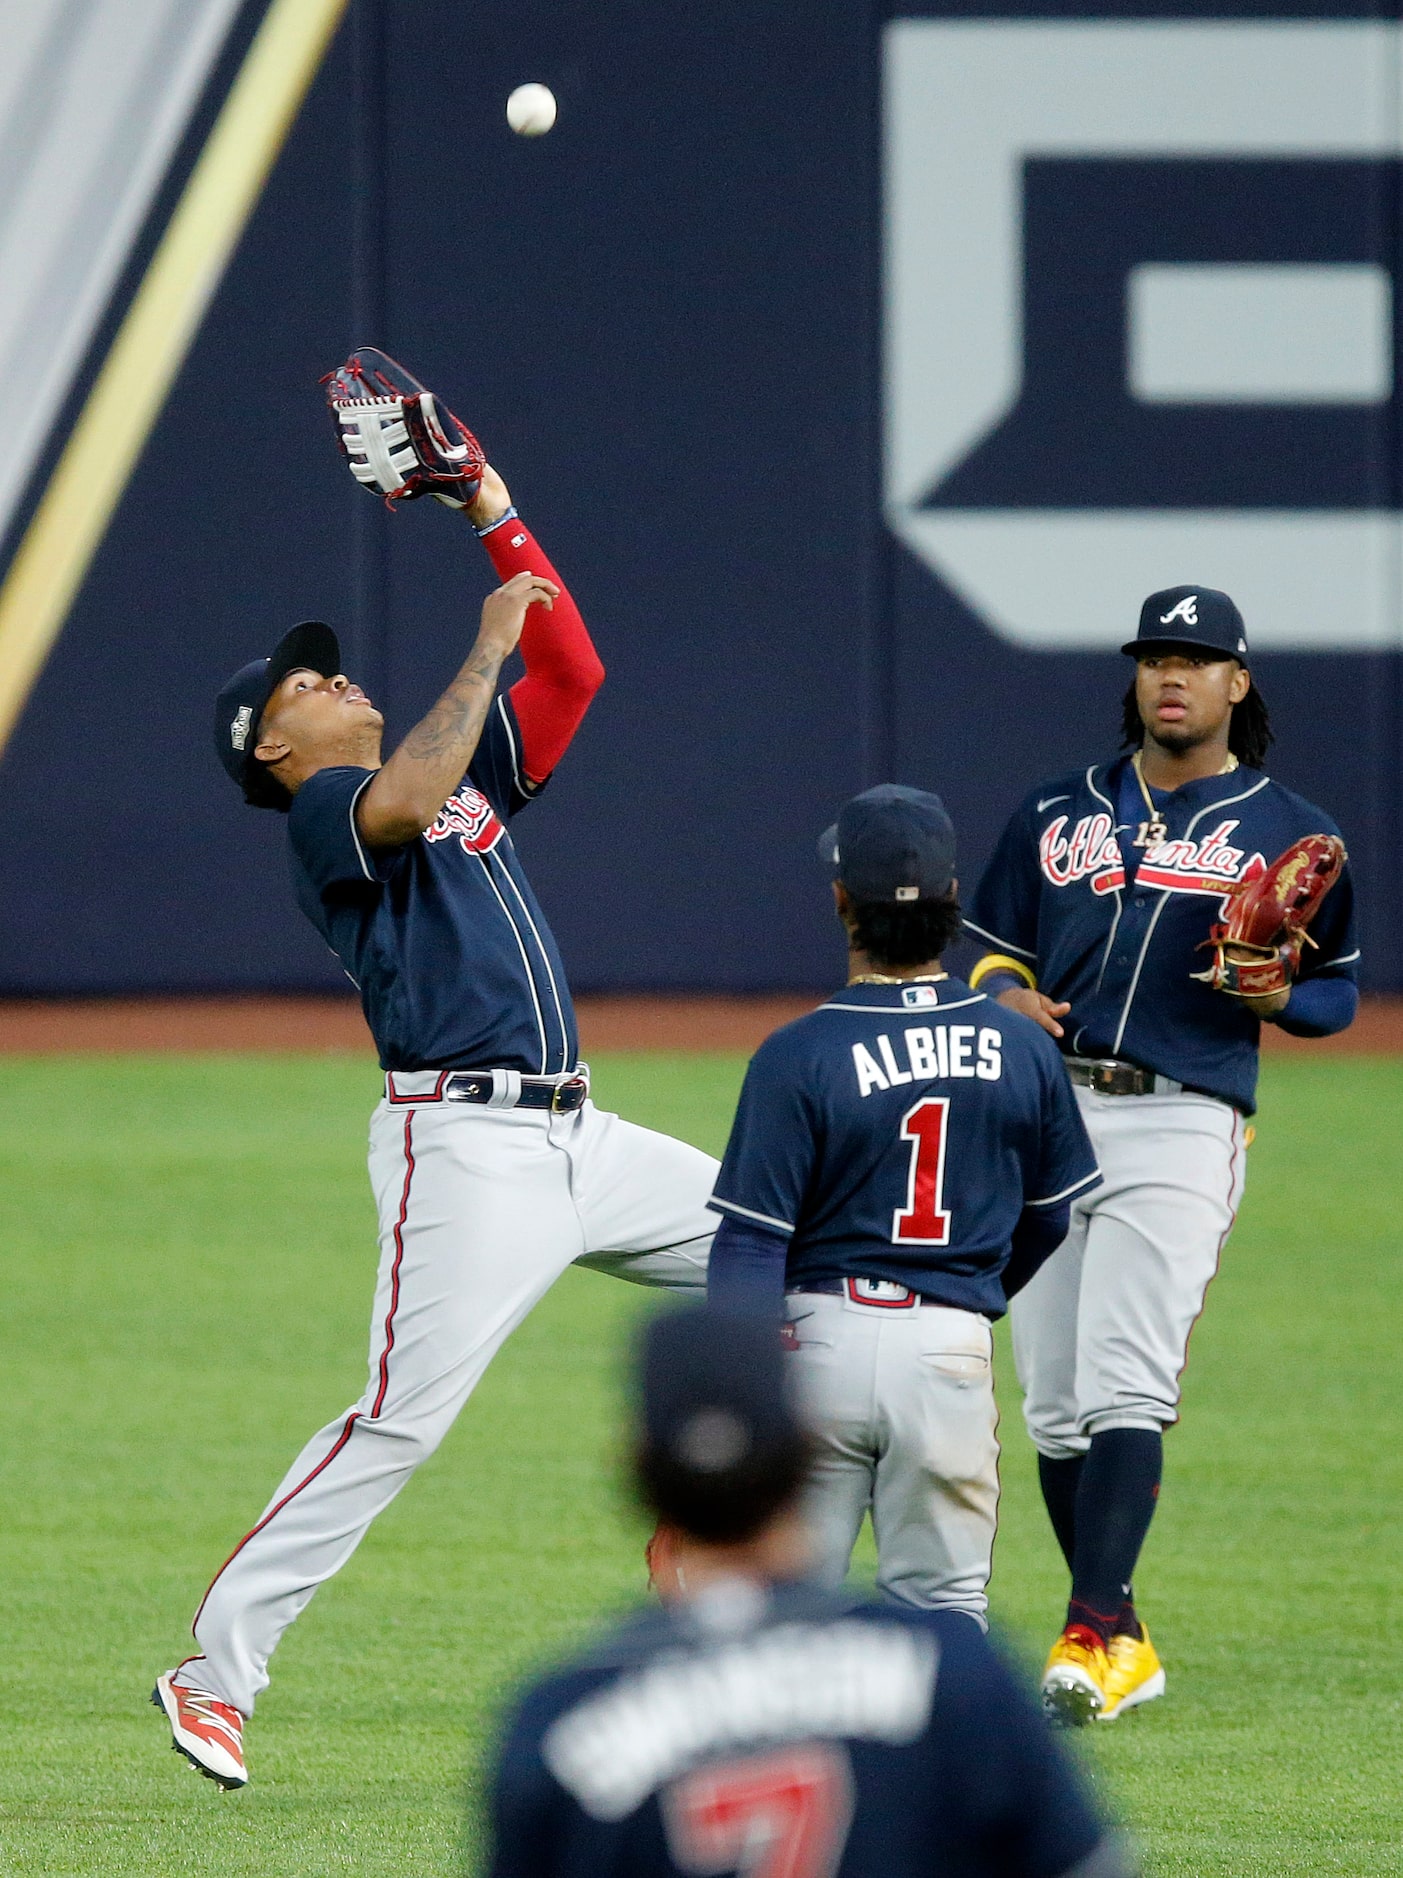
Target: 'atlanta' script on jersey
(1121,945)
(1205,866)
(469,815)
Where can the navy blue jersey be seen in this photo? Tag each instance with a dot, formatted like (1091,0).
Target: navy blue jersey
(898,1132)
(858,1739)
(1116,931)
(443,937)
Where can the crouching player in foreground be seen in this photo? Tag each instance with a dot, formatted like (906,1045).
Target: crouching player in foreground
(903,1160)
(756,1722)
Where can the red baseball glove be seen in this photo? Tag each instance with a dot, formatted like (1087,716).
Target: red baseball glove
(398,439)
(1257,949)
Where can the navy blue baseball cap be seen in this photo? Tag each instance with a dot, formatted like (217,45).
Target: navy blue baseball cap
(1200,619)
(891,843)
(722,1445)
(714,1388)
(311,646)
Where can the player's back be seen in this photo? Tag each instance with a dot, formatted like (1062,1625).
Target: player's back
(898,1131)
(848,1738)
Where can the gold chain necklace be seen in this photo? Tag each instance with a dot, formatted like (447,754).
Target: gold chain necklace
(879,978)
(1153,829)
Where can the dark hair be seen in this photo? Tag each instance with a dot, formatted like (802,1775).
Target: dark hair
(730,1505)
(1249,731)
(909,933)
(262,790)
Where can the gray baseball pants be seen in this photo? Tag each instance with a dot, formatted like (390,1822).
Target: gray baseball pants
(902,1402)
(1101,1335)
(480,1210)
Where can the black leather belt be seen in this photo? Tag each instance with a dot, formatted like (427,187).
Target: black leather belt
(560,1096)
(1108,1075)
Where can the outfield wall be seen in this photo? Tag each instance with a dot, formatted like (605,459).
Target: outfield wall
(860,373)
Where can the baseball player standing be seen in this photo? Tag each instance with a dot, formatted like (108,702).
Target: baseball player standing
(491,1168)
(902,1160)
(757,1723)
(1099,906)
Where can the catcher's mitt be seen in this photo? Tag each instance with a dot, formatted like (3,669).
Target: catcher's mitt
(1257,949)
(399,441)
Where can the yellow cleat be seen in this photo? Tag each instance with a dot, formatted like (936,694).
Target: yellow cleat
(1136,1675)
(1074,1682)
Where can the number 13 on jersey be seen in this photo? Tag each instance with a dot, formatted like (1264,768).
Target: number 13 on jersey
(923,1220)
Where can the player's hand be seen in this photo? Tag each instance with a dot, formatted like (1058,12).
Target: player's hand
(1037,1005)
(493,499)
(504,612)
(1269,1005)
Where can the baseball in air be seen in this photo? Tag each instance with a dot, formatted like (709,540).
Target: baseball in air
(531,110)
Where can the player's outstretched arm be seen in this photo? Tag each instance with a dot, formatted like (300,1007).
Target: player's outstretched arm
(408,792)
(563,671)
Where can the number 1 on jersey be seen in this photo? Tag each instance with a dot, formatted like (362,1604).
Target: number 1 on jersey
(923,1221)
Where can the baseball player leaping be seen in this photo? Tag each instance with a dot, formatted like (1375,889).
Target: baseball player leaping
(491,1168)
(902,1161)
(1136,910)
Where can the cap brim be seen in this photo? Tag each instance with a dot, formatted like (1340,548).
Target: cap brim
(1134,647)
(311,646)
(828,848)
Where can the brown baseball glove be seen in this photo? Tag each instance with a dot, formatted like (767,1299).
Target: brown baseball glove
(1257,949)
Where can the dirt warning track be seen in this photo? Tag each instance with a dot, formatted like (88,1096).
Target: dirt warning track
(606,1023)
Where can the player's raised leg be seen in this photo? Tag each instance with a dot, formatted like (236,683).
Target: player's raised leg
(641,1199)
(477,1223)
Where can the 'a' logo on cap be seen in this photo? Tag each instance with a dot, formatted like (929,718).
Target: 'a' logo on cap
(238,730)
(1187,610)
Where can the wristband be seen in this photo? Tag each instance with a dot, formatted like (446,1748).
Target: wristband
(507,515)
(1000,962)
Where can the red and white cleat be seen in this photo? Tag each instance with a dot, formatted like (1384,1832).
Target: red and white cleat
(208,1732)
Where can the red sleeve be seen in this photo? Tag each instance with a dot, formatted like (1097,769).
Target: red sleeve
(563,671)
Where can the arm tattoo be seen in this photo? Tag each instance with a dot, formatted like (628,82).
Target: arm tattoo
(455,722)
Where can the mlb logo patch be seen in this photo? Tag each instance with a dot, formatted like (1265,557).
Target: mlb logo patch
(920,997)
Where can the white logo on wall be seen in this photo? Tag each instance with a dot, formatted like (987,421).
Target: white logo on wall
(968,106)
(1187,610)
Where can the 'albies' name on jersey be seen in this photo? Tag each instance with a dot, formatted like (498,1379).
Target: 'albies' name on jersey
(897,1133)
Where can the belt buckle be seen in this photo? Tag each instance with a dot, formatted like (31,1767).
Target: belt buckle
(573,1085)
(1123,1079)
(1105,1078)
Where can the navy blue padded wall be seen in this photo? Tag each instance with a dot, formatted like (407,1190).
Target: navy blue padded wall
(664,320)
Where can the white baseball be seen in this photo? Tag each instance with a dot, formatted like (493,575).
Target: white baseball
(531,110)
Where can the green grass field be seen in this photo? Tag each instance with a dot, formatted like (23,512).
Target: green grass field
(188,1253)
